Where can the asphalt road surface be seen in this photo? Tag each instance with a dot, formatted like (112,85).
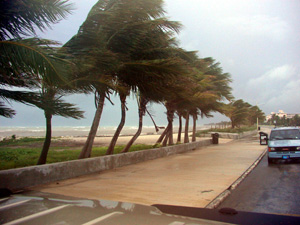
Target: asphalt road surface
(268,189)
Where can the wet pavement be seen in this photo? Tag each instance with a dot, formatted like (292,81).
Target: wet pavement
(269,189)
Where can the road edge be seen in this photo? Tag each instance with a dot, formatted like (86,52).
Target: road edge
(221,197)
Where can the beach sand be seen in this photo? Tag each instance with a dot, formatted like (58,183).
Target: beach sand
(122,140)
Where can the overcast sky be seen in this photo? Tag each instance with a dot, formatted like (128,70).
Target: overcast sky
(257,42)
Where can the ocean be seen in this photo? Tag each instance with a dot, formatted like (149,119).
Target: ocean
(79,131)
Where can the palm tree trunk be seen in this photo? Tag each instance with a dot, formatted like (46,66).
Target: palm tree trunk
(194,127)
(167,136)
(186,132)
(113,142)
(137,134)
(163,134)
(170,115)
(179,129)
(47,142)
(87,148)
(142,110)
(232,123)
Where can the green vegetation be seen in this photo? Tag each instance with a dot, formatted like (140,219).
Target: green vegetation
(226,130)
(20,153)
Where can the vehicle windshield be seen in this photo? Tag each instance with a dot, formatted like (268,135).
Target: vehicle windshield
(285,134)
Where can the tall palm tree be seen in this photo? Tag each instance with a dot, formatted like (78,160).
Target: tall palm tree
(53,105)
(22,64)
(213,88)
(123,91)
(33,63)
(133,33)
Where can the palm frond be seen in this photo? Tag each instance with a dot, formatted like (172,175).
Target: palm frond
(6,112)
(22,17)
(32,58)
(25,97)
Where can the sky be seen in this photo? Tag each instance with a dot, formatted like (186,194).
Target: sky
(256,41)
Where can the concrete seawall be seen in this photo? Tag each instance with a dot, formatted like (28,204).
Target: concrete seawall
(18,179)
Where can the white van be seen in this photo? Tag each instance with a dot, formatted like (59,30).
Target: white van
(284,143)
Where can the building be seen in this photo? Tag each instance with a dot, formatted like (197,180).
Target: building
(281,114)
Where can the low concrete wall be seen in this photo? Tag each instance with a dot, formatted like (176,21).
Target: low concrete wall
(232,135)
(17,179)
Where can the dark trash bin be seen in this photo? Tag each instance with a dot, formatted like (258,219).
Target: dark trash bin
(263,138)
(215,138)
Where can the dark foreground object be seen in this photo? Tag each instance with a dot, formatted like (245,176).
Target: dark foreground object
(44,208)
(228,215)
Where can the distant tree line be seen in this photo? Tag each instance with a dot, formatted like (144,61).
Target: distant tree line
(124,47)
(283,121)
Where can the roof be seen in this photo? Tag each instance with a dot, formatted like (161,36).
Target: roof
(285,128)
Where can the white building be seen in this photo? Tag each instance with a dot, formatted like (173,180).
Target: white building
(281,114)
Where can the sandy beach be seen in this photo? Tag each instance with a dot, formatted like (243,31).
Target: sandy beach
(123,140)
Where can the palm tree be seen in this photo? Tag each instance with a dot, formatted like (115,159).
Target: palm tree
(212,88)
(178,97)
(21,62)
(238,112)
(255,115)
(53,105)
(123,92)
(33,63)
(165,71)
(136,36)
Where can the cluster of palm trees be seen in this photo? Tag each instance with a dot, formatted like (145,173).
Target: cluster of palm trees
(242,113)
(123,47)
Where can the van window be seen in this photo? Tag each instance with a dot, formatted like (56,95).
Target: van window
(285,134)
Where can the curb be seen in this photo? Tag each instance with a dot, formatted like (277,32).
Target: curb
(221,197)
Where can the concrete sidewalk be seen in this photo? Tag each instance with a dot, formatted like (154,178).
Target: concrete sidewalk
(192,179)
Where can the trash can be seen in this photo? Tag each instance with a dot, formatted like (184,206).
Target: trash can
(215,138)
(263,138)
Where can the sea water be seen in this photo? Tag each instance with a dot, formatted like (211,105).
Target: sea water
(77,131)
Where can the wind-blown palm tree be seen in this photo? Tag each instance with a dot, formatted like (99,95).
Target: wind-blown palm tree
(53,105)
(21,63)
(238,112)
(213,88)
(33,63)
(133,34)
(123,91)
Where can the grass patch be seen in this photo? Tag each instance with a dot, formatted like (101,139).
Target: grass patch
(22,155)
(226,130)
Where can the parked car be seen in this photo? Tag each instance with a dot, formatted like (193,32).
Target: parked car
(284,143)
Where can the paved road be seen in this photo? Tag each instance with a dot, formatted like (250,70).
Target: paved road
(268,189)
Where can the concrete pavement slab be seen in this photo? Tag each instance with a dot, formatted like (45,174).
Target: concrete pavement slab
(192,179)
